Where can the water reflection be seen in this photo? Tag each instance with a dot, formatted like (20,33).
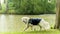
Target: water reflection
(10,23)
(6,23)
(2,23)
(13,23)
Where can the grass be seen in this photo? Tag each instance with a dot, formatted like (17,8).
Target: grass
(52,31)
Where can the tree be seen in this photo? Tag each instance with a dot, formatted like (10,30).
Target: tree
(57,24)
(6,6)
(29,9)
(33,6)
(0,5)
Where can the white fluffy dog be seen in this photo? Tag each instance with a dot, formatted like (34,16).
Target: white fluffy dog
(36,21)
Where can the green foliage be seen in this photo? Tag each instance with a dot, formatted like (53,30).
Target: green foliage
(32,6)
(10,5)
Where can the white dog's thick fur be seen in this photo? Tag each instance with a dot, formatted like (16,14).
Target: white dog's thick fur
(44,24)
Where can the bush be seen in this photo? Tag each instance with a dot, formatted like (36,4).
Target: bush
(34,7)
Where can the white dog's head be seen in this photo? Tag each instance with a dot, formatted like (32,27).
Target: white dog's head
(25,19)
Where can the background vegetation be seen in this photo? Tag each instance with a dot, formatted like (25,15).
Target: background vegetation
(28,7)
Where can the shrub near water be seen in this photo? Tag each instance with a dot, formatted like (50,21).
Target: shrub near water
(34,6)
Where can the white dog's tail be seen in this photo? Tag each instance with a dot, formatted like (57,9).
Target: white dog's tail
(45,25)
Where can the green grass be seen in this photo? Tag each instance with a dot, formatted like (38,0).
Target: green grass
(53,31)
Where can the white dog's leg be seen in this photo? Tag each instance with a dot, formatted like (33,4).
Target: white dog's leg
(26,28)
(40,27)
(31,27)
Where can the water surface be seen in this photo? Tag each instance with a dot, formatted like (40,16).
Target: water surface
(13,23)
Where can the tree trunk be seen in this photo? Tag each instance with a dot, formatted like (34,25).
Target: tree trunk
(6,4)
(57,24)
(0,5)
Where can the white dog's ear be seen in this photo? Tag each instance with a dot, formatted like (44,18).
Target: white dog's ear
(25,19)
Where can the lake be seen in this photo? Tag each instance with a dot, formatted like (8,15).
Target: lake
(13,23)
